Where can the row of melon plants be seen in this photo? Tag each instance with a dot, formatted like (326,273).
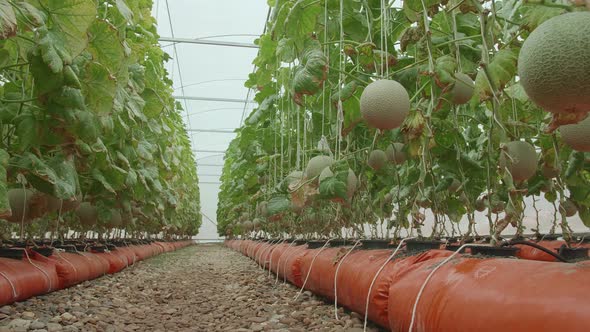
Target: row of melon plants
(92,142)
(433,119)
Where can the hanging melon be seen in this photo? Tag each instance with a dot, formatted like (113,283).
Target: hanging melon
(569,208)
(520,158)
(351,183)
(576,135)
(316,165)
(554,64)
(377,159)
(385,104)
(395,153)
(87,213)
(20,200)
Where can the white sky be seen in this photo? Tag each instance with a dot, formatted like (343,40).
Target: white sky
(201,63)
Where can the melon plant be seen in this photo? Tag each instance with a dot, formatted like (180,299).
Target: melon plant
(385,104)
(377,159)
(554,63)
(576,135)
(520,159)
(395,153)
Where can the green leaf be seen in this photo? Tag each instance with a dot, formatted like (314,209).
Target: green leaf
(584,214)
(502,70)
(70,20)
(302,18)
(7,20)
(105,46)
(124,10)
(99,87)
(533,14)
(98,176)
(278,204)
(332,187)
(286,50)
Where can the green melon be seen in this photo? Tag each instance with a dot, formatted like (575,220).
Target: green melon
(294,177)
(385,104)
(569,208)
(326,173)
(377,159)
(554,64)
(87,213)
(462,89)
(247,225)
(116,219)
(576,135)
(19,200)
(480,204)
(395,153)
(455,185)
(53,204)
(316,165)
(520,158)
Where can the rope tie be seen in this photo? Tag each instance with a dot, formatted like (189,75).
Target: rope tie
(336,278)
(14,294)
(310,267)
(40,269)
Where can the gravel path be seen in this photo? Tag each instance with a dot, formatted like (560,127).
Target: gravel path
(200,288)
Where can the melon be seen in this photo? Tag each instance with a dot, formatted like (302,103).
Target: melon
(520,158)
(395,153)
(480,204)
(19,200)
(576,135)
(256,223)
(352,183)
(385,104)
(87,213)
(53,204)
(455,185)
(116,219)
(71,204)
(377,159)
(247,225)
(326,173)
(569,208)
(549,172)
(294,177)
(316,165)
(554,64)
(462,89)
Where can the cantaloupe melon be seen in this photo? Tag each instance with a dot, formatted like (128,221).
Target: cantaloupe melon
(377,159)
(520,159)
(87,213)
(395,153)
(462,89)
(385,104)
(19,200)
(316,165)
(116,219)
(569,208)
(554,64)
(480,204)
(576,135)
(294,177)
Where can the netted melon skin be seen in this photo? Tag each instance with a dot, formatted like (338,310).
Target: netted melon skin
(385,104)
(554,64)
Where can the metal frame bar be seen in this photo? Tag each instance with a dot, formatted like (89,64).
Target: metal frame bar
(221,131)
(207,42)
(209,151)
(227,100)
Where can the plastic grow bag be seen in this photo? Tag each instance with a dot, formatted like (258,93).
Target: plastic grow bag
(21,279)
(469,294)
(116,262)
